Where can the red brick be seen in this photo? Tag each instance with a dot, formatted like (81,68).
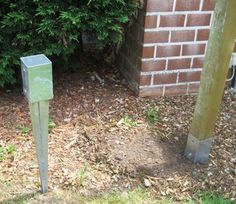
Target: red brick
(175,90)
(153,65)
(168,50)
(193,88)
(198,62)
(203,34)
(167,78)
(198,19)
(182,35)
(156,37)
(172,20)
(193,49)
(187,5)
(145,80)
(208,5)
(189,76)
(150,91)
(148,52)
(174,64)
(150,22)
(159,5)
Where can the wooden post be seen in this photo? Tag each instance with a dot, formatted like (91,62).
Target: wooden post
(219,51)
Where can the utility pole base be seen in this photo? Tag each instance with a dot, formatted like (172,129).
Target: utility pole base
(198,150)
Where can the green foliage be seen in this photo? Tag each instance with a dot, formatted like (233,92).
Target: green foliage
(152,116)
(208,197)
(127,121)
(2,152)
(11,149)
(8,150)
(23,129)
(126,197)
(83,174)
(55,27)
(51,124)
(135,196)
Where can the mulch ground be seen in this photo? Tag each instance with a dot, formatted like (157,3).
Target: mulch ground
(92,151)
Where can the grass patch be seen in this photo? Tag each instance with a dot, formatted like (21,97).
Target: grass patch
(131,197)
(83,173)
(209,197)
(51,124)
(127,121)
(128,197)
(23,129)
(136,196)
(152,116)
(7,151)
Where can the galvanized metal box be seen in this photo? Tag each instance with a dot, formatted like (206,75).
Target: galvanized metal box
(36,73)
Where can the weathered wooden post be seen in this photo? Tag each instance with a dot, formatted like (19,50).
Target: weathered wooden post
(220,48)
(37,85)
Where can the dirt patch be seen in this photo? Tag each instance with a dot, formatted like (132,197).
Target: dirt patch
(91,151)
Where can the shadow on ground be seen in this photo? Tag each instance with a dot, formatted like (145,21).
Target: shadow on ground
(21,198)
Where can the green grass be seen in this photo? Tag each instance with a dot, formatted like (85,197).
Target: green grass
(152,116)
(127,121)
(209,197)
(9,150)
(51,124)
(2,153)
(136,196)
(23,129)
(83,174)
(131,197)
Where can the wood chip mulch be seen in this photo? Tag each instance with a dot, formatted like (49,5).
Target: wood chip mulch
(93,151)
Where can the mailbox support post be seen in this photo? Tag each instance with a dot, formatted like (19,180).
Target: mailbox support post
(219,51)
(39,117)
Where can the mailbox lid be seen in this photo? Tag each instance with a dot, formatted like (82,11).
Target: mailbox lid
(35,60)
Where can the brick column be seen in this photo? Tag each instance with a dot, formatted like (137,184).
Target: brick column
(173,35)
(130,54)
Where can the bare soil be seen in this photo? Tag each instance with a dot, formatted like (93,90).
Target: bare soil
(92,151)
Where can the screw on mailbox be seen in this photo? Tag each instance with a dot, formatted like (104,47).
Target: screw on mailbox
(36,73)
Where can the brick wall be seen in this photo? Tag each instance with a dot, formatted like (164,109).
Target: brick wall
(131,52)
(170,38)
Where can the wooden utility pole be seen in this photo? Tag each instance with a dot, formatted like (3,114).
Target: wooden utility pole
(219,51)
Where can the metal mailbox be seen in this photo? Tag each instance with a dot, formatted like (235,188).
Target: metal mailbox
(37,77)
(36,73)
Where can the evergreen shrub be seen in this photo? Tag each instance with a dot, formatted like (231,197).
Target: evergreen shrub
(54,28)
